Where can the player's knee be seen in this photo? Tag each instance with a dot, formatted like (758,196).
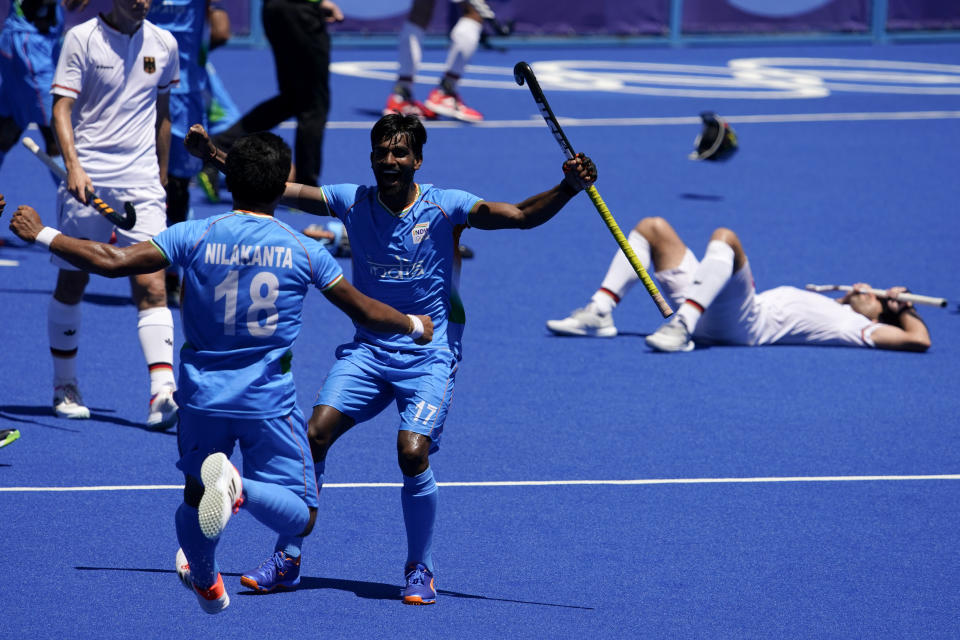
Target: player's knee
(413,453)
(725,235)
(320,430)
(193,491)
(309,528)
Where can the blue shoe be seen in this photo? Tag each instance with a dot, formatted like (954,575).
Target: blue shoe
(279,571)
(420,588)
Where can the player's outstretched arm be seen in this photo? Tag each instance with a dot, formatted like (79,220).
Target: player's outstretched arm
(377,316)
(94,257)
(305,198)
(579,173)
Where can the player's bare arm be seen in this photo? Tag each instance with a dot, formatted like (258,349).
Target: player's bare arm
(78,182)
(163,135)
(579,173)
(93,257)
(305,198)
(911,334)
(375,315)
(199,145)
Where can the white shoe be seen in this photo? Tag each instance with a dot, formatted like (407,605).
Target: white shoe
(68,403)
(222,494)
(212,600)
(585,322)
(163,410)
(672,336)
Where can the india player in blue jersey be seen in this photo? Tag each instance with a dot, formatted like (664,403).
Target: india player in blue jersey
(29,47)
(246,275)
(403,239)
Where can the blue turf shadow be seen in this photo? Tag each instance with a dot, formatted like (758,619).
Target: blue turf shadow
(96,415)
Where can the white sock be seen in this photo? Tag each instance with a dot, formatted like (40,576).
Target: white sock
(620,276)
(464,38)
(155,330)
(409,54)
(711,276)
(63,330)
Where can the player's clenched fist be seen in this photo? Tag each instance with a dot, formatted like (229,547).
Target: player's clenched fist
(198,143)
(25,223)
(579,172)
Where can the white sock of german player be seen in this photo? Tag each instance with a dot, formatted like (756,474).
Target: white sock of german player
(620,276)
(708,280)
(155,330)
(63,329)
(409,54)
(464,38)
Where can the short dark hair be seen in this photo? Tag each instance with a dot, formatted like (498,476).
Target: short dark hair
(393,124)
(258,166)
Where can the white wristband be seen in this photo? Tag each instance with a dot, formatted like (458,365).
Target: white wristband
(417,330)
(46,236)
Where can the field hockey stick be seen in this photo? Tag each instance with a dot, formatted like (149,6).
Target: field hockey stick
(880,293)
(523,73)
(124,221)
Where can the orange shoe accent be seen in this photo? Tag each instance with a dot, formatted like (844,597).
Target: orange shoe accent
(213,593)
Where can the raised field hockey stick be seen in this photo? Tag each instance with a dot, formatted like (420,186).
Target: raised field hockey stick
(125,221)
(880,293)
(523,73)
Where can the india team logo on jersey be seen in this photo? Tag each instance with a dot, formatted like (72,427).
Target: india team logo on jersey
(420,232)
(149,64)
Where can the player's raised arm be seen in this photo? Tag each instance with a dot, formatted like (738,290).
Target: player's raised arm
(579,173)
(909,333)
(377,316)
(94,257)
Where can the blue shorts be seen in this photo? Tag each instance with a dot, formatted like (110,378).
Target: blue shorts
(27,62)
(365,378)
(274,450)
(186,109)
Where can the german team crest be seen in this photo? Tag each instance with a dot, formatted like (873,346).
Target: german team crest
(420,232)
(149,64)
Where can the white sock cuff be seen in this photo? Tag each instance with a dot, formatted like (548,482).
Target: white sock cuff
(155,317)
(64,313)
(720,250)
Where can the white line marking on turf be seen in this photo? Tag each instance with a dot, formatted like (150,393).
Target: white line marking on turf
(530,483)
(9,263)
(536,121)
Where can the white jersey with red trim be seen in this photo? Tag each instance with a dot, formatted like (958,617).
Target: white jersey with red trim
(788,315)
(115,79)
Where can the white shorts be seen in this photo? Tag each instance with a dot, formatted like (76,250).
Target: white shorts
(732,318)
(82,221)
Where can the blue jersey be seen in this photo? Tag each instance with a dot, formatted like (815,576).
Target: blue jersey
(409,259)
(245,277)
(186,20)
(35,16)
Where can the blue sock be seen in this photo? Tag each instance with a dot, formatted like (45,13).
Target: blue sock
(280,509)
(419,500)
(200,552)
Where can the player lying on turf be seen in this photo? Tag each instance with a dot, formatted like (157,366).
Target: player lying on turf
(404,238)
(716,302)
(245,278)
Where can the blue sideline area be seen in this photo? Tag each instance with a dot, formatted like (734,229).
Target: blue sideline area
(727,492)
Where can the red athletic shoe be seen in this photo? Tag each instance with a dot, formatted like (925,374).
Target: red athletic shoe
(397,103)
(451,106)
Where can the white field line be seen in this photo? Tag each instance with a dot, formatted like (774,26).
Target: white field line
(537,121)
(530,483)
